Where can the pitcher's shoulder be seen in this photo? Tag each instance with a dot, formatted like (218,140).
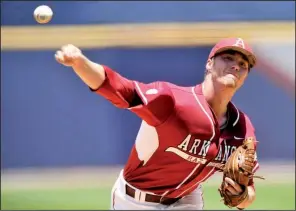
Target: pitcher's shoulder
(180,89)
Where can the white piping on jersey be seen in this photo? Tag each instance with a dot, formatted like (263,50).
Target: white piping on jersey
(235,122)
(163,194)
(183,180)
(200,181)
(213,128)
(188,176)
(141,93)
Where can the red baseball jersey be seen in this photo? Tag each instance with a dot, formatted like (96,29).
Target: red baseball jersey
(180,143)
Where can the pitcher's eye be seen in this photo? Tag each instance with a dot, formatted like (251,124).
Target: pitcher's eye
(243,64)
(228,58)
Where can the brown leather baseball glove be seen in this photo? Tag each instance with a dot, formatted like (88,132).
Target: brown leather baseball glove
(239,168)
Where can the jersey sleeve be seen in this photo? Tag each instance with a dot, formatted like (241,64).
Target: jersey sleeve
(153,102)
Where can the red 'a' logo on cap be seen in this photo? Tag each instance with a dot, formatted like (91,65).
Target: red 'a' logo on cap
(239,43)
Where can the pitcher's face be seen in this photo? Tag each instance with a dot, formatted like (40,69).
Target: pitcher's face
(229,68)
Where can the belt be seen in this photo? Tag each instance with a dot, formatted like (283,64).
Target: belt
(151,198)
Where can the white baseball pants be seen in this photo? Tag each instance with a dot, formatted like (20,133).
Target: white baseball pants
(121,201)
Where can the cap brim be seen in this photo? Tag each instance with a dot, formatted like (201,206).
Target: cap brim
(251,57)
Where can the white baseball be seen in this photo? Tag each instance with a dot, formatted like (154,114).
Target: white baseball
(43,14)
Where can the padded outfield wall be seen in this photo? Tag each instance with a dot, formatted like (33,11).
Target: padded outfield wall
(50,118)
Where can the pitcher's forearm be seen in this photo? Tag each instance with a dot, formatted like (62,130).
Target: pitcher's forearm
(92,74)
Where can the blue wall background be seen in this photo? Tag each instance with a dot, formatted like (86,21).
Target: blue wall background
(105,12)
(50,118)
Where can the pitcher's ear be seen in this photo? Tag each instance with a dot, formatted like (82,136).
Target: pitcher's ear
(209,64)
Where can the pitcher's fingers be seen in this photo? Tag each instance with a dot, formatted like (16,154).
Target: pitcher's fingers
(64,48)
(69,52)
(232,190)
(59,56)
(232,183)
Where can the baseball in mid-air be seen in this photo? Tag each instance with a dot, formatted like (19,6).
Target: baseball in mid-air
(43,14)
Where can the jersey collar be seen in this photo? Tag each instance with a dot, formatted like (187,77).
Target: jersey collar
(234,113)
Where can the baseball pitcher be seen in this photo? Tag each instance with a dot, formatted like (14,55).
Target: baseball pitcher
(187,133)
